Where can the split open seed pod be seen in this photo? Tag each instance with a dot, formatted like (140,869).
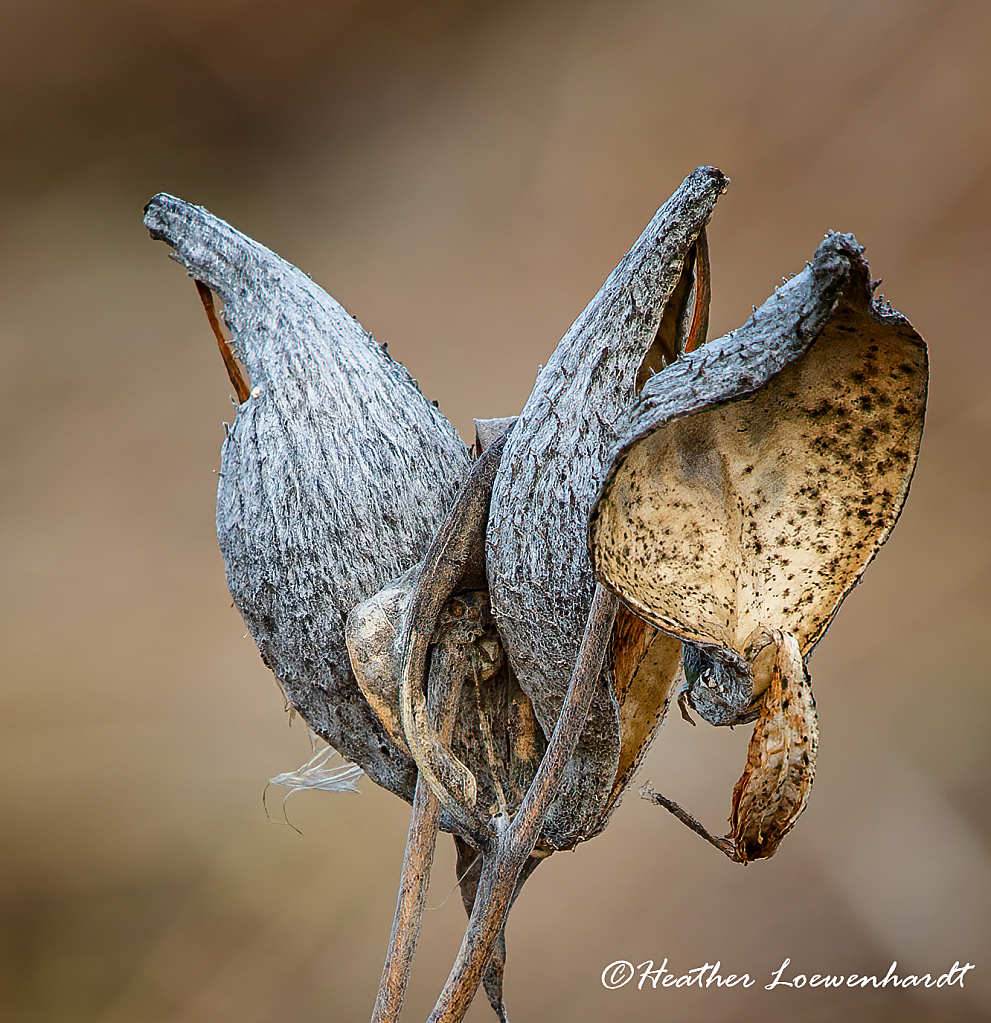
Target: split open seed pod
(334,477)
(762,473)
(652,307)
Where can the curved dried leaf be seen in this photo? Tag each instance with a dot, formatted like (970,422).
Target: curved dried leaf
(776,782)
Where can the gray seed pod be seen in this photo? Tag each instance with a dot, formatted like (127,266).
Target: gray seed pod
(334,477)
(555,460)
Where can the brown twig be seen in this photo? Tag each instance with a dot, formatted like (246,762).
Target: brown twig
(240,385)
(417,862)
(724,845)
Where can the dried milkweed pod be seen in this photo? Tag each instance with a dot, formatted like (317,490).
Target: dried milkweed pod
(761,474)
(653,306)
(334,475)
(729,494)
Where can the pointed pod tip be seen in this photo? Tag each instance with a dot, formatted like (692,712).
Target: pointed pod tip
(840,258)
(709,177)
(845,244)
(151,219)
(159,201)
(712,172)
(159,213)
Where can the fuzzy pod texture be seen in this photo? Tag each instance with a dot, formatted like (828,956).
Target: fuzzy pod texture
(335,475)
(556,457)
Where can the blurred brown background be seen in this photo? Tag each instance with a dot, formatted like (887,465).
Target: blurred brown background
(461,176)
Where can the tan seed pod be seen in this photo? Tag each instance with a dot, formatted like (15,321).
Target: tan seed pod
(762,472)
(775,784)
(760,475)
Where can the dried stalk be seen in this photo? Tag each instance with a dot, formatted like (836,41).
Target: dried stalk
(506,845)
(413,884)
(501,867)
(724,845)
(451,562)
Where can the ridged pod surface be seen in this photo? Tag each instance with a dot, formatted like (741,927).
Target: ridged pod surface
(335,475)
(554,463)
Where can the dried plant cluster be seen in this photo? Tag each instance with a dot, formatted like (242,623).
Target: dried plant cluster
(496,634)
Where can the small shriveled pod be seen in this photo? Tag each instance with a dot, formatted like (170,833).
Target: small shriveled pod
(465,633)
(776,782)
(652,307)
(431,623)
(334,476)
(759,477)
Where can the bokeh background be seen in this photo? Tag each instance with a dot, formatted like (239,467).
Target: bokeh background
(461,176)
